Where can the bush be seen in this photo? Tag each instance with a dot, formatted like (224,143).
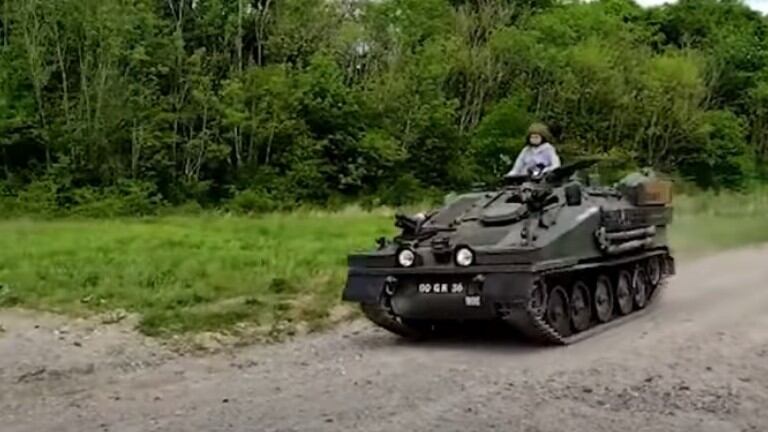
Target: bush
(499,138)
(49,198)
(721,157)
(252,201)
(39,198)
(405,189)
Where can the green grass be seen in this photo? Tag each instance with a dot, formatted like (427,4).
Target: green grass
(204,273)
(708,222)
(186,274)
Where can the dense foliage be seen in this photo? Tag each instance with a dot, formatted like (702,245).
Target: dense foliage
(117,106)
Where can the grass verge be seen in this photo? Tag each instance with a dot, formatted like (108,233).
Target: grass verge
(708,222)
(187,274)
(271,273)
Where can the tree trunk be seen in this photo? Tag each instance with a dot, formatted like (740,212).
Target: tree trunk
(239,41)
(6,20)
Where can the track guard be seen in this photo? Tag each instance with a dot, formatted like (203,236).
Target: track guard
(365,289)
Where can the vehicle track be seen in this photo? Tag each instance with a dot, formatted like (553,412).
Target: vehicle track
(697,361)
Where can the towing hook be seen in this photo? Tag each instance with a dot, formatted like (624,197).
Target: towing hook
(476,287)
(390,285)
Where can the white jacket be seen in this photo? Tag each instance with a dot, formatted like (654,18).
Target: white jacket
(531,156)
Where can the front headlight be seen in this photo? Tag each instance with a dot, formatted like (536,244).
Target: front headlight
(406,258)
(465,257)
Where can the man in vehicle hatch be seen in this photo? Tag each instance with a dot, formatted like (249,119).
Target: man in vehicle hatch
(538,152)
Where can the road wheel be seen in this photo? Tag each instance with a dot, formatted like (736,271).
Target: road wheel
(653,269)
(603,299)
(558,311)
(581,307)
(640,288)
(623,293)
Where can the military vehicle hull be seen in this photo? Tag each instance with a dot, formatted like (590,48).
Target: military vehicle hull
(581,263)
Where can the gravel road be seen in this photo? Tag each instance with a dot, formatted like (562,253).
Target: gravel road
(698,362)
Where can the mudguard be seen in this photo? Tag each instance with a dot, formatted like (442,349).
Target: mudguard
(364,288)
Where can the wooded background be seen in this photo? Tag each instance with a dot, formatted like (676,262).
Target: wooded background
(120,106)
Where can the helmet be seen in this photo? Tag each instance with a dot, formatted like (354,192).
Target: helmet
(539,129)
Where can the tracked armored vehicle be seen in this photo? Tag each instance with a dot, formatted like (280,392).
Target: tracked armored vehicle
(557,258)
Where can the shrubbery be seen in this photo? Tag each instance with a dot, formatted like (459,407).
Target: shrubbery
(112,108)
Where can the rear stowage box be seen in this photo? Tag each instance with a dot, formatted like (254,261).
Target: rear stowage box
(646,190)
(654,192)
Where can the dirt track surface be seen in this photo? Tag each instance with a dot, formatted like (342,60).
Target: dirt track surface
(698,362)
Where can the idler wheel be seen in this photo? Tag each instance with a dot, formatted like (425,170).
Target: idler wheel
(558,311)
(581,307)
(640,288)
(603,299)
(624,292)
(538,298)
(654,271)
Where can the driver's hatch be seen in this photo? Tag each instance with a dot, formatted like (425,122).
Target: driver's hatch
(506,208)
